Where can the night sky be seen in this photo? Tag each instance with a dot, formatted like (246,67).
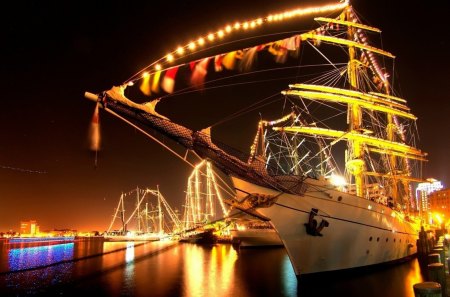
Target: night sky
(53,52)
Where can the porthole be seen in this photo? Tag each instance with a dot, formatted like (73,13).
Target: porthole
(394,239)
(339,198)
(387,239)
(400,240)
(370,238)
(378,239)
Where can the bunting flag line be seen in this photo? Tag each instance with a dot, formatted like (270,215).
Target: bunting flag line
(274,48)
(168,83)
(228,61)
(241,60)
(283,52)
(155,83)
(218,63)
(199,73)
(248,59)
(192,64)
(145,85)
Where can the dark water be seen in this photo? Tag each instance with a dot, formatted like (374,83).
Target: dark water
(94,268)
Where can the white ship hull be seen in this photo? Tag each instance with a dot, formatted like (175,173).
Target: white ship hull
(360,232)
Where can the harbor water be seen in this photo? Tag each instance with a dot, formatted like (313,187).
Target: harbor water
(168,268)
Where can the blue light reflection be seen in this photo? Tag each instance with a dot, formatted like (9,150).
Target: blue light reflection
(32,257)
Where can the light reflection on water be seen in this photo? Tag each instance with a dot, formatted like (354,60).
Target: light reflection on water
(209,273)
(391,281)
(413,275)
(289,280)
(30,282)
(129,273)
(32,257)
(160,269)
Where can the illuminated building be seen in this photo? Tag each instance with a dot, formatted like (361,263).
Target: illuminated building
(440,202)
(29,227)
(423,190)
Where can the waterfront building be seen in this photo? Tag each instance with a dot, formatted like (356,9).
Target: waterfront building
(30,228)
(423,191)
(440,202)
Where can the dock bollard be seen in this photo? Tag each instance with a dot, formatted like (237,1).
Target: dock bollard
(434,258)
(427,289)
(441,253)
(436,273)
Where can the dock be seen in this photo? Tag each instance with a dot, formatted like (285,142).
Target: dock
(447,270)
(434,260)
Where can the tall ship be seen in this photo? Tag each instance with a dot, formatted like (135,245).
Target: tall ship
(137,217)
(333,175)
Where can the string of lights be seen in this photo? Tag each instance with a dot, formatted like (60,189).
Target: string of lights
(192,46)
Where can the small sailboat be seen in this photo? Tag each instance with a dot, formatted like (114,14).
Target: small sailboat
(146,221)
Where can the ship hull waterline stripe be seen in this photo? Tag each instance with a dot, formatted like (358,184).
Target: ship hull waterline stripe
(344,220)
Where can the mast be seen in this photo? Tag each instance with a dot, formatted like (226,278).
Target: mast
(119,206)
(138,210)
(296,159)
(355,163)
(122,215)
(209,192)
(159,211)
(198,212)
(147,229)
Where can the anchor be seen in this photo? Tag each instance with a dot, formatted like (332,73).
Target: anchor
(311,226)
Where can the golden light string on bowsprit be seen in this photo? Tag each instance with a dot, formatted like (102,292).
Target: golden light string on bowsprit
(199,43)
